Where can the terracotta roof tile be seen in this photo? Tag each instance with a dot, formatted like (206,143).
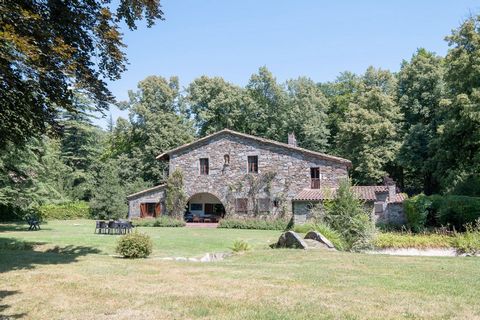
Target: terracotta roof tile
(367,193)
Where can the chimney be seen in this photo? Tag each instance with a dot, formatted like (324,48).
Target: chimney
(392,191)
(292,140)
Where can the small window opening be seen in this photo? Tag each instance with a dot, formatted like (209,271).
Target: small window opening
(204,166)
(252,164)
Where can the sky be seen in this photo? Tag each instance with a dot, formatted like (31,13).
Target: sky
(314,38)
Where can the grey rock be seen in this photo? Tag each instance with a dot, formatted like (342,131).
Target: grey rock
(315,235)
(291,239)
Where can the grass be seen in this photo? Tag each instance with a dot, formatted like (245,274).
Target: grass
(80,280)
(407,240)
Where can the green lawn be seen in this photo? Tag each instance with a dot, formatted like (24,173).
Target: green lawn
(80,279)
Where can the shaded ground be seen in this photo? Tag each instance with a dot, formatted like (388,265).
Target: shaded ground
(262,284)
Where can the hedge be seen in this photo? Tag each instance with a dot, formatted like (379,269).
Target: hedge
(66,211)
(455,211)
(162,221)
(259,224)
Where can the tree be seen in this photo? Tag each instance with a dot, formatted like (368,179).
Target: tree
(307,114)
(370,134)
(48,48)
(459,133)
(267,115)
(156,125)
(217,104)
(108,201)
(420,91)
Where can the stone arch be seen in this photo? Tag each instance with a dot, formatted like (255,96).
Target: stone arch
(205,205)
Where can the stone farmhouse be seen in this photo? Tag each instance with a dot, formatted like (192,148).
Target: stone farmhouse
(244,176)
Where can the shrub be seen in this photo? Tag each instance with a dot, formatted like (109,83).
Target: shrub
(458,211)
(346,215)
(468,242)
(65,211)
(162,221)
(416,212)
(134,245)
(278,224)
(240,246)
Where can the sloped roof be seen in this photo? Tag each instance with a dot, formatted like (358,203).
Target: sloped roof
(159,187)
(166,155)
(366,193)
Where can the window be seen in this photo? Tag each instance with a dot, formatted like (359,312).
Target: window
(150,209)
(241,204)
(196,206)
(204,166)
(252,164)
(315,178)
(226,158)
(263,204)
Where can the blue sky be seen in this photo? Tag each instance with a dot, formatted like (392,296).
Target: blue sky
(314,38)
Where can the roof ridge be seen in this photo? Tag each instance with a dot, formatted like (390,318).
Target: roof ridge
(264,140)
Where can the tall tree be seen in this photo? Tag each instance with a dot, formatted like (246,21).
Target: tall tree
(420,91)
(47,48)
(307,114)
(370,134)
(217,104)
(459,134)
(156,125)
(268,115)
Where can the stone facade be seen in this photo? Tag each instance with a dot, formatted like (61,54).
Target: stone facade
(276,190)
(152,195)
(282,172)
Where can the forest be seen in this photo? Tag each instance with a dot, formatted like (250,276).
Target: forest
(419,126)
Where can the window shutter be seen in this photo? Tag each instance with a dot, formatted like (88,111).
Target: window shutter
(143,210)
(157,209)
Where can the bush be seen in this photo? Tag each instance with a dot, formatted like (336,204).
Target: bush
(162,221)
(468,242)
(346,214)
(66,211)
(416,212)
(458,211)
(278,224)
(134,245)
(240,246)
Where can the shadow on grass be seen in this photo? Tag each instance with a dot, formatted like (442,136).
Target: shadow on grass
(19,255)
(19,226)
(4,307)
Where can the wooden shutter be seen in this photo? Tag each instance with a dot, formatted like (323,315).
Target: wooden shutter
(143,210)
(157,209)
(208,208)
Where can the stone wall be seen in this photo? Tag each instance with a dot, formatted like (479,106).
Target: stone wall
(289,171)
(150,196)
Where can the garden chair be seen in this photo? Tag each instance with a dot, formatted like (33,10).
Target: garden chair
(34,223)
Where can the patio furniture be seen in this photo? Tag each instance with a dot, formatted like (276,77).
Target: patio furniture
(101,227)
(34,224)
(196,219)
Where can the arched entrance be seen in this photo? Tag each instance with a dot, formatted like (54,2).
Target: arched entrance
(204,207)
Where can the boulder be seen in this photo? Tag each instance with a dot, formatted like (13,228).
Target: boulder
(291,239)
(317,236)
